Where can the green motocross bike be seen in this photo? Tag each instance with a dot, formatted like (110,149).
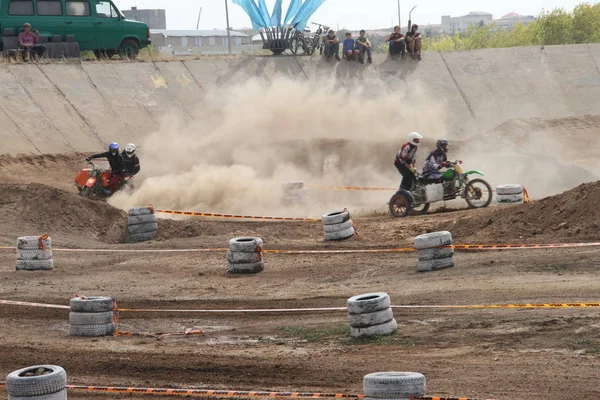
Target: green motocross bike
(457,183)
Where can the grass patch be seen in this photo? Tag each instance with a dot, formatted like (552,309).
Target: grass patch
(589,346)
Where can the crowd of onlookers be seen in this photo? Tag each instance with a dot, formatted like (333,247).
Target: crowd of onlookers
(352,48)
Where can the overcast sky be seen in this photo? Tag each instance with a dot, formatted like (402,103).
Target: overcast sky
(351,14)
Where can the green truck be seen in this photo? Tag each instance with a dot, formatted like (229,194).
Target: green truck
(98,26)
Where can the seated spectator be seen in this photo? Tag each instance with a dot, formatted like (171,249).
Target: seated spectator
(332,45)
(414,42)
(364,46)
(397,42)
(28,41)
(349,47)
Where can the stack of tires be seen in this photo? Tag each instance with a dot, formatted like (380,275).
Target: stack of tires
(92,316)
(338,226)
(34,253)
(141,224)
(245,255)
(40,382)
(394,385)
(431,256)
(509,194)
(294,193)
(371,315)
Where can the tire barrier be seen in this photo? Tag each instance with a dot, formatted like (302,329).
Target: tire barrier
(141,224)
(431,256)
(245,255)
(394,385)
(294,194)
(40,382)
(34,253)
(371,315)
(92,316)
(338,226)
(510,194)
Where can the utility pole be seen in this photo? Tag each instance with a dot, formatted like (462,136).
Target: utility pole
(228,30)
(399,17)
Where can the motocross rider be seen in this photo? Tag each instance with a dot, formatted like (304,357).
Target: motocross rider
(130,160)
(435,161)
(116,163)
(406,160)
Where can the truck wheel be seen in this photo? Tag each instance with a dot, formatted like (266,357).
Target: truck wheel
(129,49)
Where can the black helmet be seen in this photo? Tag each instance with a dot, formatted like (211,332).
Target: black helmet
(442,144)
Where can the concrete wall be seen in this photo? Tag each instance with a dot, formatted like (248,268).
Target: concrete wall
(49,108)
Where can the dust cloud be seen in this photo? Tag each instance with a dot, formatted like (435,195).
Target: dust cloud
(247,140)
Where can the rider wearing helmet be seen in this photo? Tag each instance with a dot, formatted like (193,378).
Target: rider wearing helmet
(131,161)
(115,160)
(435,161)
(406,160)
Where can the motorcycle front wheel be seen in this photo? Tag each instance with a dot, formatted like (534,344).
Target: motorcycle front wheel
(478,193)
(400,205)
(86,192)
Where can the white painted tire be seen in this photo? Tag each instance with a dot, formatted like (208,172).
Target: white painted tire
(250,268)
(34,254)
(337,228)
(435,265)
(238,257)
(29,386)
(434,253)
(142,237)
(509,189)
(388,328)
(368,303)
(98,318)
(289,186)
(435,239)
(91,304)
(140,211)
(340,235)
(394,385)
(61,395)
(245,244)
(143,228)
(32,243)
(141,219)
(35,265)
(92,330)
(335,218)
(368,319)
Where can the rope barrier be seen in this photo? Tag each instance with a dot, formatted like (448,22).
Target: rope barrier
(216,215)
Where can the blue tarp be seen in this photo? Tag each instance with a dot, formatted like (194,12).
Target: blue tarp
(276,16)
(306,11)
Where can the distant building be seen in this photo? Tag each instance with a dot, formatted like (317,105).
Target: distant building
(460,24)
(156,19)
(189,42)
(509,20)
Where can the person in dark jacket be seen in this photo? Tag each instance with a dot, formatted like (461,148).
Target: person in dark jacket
(132,162)
(435,161)
(406,159)
(117,165)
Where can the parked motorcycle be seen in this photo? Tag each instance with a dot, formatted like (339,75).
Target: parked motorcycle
(95,182)
(457,183)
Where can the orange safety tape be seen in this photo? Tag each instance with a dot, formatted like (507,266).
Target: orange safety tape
(216,215)
(352,188)
(41,241)
(25,303)
(237,393)
(526,198)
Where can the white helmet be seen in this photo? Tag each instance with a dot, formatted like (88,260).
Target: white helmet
(129,149)
(412,136)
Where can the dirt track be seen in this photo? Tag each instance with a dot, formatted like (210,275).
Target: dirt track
(502,354)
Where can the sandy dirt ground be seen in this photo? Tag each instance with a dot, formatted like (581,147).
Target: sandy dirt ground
(501,354)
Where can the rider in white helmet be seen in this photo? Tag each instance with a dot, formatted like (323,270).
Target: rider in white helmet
(132,162)
(406,160)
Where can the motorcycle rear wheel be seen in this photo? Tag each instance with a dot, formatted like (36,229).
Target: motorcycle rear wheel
(86,192)
(400,205)
(475,196)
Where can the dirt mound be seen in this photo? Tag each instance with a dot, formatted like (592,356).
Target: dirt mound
(572,216)
(36,209)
